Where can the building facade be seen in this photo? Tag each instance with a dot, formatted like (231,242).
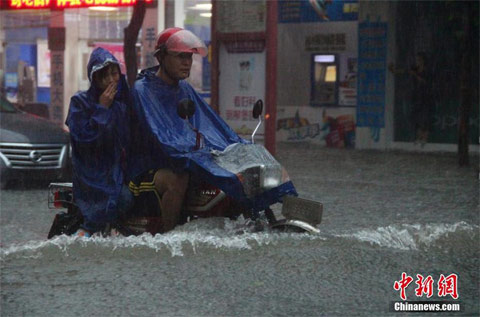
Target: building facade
(322,66)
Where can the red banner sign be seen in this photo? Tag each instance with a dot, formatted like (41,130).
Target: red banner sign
(65,4)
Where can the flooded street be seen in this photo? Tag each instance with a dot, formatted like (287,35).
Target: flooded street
(385,213)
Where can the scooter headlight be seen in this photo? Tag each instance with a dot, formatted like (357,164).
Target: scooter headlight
(273,176)
(251,180)
(260,178)
(270,177)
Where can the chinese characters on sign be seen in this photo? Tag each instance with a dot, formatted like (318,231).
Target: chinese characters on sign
(372,52)
(446,285)
(243,108)
(245,46)
(241,16)
(302,11)
(57,86)
(29,4)
(242,83)
(331,42)
(149,38)
(67,4)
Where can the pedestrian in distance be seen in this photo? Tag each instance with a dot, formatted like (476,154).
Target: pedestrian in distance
(421,96)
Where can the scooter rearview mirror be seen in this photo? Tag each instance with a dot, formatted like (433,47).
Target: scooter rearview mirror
(185,108)
(257,111)
(257,108)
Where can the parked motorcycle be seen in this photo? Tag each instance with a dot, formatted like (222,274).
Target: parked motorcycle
(252,163)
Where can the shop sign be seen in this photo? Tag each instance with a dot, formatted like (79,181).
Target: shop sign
(65,4)
(241,16)
(303,11)
(57,86)
(329,42)
(242,83)
(245,46)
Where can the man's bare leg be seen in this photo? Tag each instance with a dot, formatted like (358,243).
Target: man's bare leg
(172,188)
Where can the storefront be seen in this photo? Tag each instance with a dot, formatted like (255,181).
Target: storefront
(318,51)
(46,45)
(321,67)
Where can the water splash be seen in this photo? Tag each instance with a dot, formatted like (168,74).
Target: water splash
(412,236)
(205,233)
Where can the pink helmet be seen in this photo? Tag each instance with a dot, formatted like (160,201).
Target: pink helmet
(181,41)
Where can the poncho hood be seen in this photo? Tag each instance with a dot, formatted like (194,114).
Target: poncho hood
(99,58)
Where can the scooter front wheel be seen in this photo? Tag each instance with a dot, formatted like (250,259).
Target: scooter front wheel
(290,225)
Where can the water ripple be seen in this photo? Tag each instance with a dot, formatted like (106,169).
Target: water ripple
(413,236)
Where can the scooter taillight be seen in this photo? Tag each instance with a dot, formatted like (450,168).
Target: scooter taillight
(57,200)
(60,195)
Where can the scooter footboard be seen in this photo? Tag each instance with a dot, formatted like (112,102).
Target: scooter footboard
(302,209)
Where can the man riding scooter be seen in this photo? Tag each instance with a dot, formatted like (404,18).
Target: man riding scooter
(159,133)
(164,153)
(181,147)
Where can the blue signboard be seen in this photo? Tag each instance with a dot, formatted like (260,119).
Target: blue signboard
(304,11)
(372,54)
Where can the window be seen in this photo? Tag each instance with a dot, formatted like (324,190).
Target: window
(324,80)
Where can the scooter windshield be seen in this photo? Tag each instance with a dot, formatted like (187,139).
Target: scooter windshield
(254,165)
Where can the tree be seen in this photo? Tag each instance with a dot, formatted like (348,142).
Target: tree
(466,37)
(130,40)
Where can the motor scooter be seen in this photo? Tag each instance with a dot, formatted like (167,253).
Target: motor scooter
(257,169)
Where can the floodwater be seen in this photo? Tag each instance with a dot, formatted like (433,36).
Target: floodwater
(385,213)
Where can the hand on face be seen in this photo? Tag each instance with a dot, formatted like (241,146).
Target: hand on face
(106,98)
(107,79)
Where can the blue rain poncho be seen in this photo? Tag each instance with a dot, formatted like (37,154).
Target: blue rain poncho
(99,139)
(164,140)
